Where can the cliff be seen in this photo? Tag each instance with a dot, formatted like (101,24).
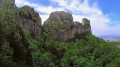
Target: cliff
(62,27)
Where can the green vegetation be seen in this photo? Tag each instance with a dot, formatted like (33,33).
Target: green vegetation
(24,12)
(7,27)
(13,49)
(88,52)
(18,48)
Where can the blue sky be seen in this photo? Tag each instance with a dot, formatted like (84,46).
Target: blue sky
(103,14)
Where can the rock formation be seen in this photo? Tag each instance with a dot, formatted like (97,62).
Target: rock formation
(29,20)
(60,24)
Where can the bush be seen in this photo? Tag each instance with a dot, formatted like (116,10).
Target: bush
(24,12)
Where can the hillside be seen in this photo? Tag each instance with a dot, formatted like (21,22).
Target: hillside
(59,42)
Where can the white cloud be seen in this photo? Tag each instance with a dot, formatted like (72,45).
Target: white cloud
(20,3)
(48,10)
(79,9)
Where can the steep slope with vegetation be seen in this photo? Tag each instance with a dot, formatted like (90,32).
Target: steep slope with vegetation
(14,49)
(23,46)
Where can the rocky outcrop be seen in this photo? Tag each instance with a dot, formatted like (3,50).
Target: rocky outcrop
(29,20)
(61,16)
(62,28)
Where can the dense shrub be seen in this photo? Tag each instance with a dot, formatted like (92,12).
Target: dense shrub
(88,52)
(24,13)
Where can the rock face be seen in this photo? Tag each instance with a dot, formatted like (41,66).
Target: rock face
(60,24)
(29,20)
(61,16)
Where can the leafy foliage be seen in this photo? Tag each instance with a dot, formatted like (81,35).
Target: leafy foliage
(24,12)
(10,38)
(7,26)
(89,51)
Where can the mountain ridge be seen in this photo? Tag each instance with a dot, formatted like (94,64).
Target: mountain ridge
(24,42)
(110,37)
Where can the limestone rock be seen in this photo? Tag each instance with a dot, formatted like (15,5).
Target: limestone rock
(60,24)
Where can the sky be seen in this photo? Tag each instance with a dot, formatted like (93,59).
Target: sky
(104,15)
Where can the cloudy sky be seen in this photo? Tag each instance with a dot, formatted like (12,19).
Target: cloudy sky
(103,14)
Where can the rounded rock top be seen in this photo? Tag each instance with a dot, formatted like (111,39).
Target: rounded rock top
(61,16)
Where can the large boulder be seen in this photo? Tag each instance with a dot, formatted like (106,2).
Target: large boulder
(62,28)
(29,20)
